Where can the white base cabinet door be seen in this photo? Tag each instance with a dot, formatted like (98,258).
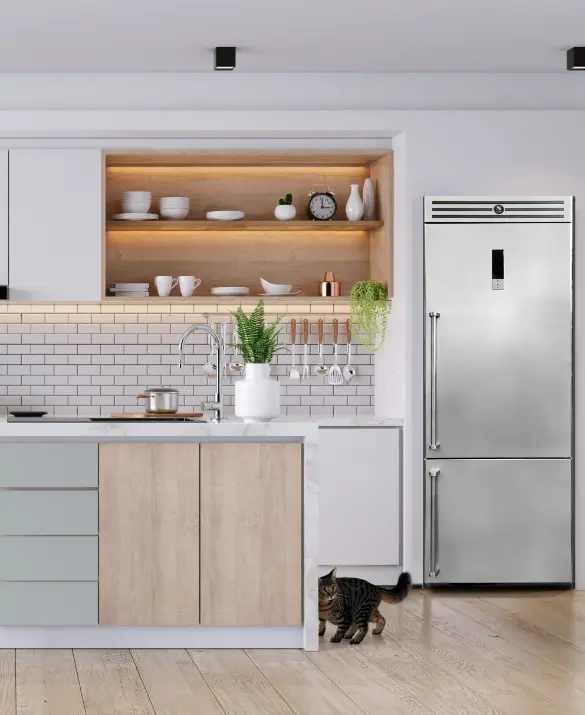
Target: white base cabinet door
(359,497)
(55,224)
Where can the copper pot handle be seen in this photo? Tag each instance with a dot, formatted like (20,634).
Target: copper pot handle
(142,397)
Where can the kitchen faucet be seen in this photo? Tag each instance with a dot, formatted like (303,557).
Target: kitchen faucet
(215,406)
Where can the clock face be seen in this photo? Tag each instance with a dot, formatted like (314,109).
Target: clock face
(322,207)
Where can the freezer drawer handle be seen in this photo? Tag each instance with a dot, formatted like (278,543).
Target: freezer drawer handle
(435,444)
(433,570)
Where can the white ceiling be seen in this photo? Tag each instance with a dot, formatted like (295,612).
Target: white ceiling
(293,36)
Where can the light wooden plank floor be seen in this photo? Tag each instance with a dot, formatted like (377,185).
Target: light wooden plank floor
(443,653)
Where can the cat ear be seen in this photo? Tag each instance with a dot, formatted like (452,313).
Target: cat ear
(333,574)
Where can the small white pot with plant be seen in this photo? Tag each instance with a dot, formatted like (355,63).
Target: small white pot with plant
(257,395)
(285,211)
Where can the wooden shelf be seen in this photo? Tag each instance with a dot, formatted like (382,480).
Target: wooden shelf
(243,299)
(242,226)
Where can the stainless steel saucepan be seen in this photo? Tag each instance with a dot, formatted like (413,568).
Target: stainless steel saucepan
(161,400)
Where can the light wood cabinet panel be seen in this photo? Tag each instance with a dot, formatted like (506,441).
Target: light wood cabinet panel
(149,534)
(251,534)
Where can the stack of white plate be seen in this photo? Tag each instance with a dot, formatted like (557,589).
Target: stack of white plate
(129,290)
(230,290)
(136,206)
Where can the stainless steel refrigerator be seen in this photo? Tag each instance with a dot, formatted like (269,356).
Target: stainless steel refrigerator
(498,390)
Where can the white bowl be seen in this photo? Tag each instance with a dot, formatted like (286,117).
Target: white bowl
(178,213)
(280,288)
(136,201)
(174,201)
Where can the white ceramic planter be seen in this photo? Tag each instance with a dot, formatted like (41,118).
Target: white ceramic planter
(257,395)
(354,208)
(285,213)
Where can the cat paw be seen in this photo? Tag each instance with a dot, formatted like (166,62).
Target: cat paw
(335,639)
(355,641)
(321,633)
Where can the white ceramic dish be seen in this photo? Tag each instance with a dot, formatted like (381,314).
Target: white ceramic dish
(225,215)
(135,217)
(129,287)
(279,288)
(136,201)
(131,293)
(230,290)
(279,295)
(176,213)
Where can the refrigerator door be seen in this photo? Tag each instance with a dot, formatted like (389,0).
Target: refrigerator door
(498,340)
(498,521)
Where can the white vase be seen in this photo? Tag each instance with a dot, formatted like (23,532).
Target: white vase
(257,396)
(369,199)
(354,208)
(285,212)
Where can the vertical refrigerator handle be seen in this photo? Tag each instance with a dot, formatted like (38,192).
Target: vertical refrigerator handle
(434,443)
(433,570)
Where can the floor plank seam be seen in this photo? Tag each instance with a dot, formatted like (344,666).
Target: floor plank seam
(79,681)
(154,710)
(213,695)
(287,705)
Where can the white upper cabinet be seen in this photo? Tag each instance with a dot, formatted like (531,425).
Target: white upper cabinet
(55,224)
(3,219)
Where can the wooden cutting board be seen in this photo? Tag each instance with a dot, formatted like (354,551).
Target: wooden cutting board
(147,415)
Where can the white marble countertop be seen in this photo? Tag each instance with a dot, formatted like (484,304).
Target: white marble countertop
(230,430)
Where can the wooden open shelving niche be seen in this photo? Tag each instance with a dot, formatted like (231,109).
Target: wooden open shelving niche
(241,252)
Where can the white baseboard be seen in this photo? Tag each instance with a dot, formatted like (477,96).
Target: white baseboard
(152,637)
(380,575)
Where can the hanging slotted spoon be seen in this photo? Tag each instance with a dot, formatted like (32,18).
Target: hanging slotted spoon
(348,370)
(294,374)
(335,376)
(210,368)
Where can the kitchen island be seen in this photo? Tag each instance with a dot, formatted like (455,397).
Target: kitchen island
(158,535)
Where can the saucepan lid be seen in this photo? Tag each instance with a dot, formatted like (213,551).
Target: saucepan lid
(160,391)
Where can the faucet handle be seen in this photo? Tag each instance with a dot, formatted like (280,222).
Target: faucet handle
(210,405)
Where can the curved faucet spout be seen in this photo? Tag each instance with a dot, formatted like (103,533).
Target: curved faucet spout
(217,405)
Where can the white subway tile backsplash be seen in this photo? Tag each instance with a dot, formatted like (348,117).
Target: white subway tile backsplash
(92,359)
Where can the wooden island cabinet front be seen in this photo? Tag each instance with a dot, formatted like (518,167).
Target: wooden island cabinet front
(206,534)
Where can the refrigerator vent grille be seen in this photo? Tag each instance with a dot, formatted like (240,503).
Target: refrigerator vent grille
(450,209)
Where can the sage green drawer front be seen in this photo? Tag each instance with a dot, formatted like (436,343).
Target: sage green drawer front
(48,558)
(49,513)
(48,604)
(56,464)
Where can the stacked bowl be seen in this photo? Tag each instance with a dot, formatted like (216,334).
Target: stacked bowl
(136,202)
(174,207)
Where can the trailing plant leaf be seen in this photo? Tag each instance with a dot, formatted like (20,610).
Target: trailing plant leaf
(369,309)
(258,342)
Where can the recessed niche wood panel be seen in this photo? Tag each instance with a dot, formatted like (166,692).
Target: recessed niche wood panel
(252,182)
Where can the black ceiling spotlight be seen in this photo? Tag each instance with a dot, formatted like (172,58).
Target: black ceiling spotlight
(225,58)
(576,58)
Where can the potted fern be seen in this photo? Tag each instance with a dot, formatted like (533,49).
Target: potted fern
(257,396)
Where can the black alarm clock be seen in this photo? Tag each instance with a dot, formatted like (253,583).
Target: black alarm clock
(322,205)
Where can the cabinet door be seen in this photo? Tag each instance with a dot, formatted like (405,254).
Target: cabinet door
(56,224)
(3,219)
(149,534)
(359,497)
(251,534)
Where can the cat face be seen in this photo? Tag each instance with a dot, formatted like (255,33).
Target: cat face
(327,587)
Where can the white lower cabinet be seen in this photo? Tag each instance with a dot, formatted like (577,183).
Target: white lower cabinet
(360,498)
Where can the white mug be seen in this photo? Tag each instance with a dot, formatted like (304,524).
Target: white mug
(187,284)
(165,284)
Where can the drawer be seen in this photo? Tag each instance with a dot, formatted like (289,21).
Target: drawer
(45,464)
(48,558)
(48,604)
(48,513)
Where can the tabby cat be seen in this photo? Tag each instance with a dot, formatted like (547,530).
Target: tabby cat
(351,603)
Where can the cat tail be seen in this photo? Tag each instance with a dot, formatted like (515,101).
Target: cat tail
(400,591)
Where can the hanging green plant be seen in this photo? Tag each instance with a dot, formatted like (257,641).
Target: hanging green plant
(369,309)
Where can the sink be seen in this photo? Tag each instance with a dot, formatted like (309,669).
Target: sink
(146,419)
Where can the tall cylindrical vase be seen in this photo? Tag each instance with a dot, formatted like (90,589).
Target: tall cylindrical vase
(257,395)
(369,199)
(354,208)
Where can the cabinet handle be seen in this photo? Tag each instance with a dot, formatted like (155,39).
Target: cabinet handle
(434,443)
(433,570)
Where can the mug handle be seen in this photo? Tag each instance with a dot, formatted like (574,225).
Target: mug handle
(197,283)
(174,283)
